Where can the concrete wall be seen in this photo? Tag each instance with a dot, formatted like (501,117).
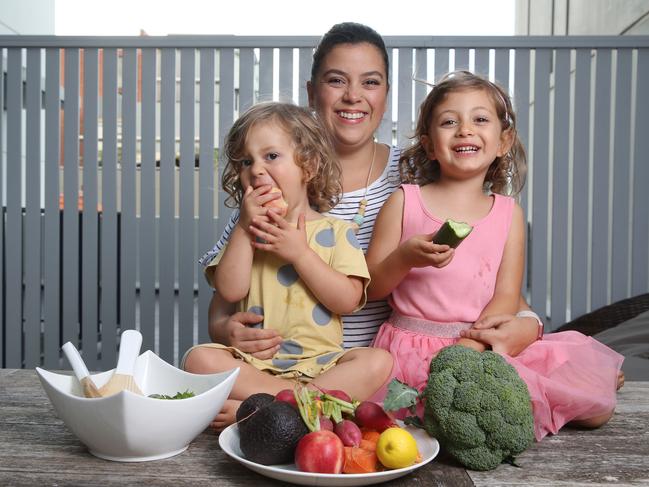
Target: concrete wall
(582,17)
(27,17)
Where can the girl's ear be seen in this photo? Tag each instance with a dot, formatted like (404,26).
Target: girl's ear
(310,170)
(506,142)
(428,147)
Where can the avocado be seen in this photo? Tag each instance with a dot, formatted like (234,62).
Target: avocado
(271,434)
(255,401)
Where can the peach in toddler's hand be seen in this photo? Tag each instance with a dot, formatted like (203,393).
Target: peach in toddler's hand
(280,205)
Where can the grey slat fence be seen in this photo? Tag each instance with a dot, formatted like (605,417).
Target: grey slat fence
(109,177)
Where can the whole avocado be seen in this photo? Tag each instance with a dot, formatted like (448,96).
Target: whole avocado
(270,435)
(250,405)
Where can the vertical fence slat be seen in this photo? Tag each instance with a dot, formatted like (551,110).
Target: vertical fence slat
(501,68)
(421,73)
(461,59)
(51,227)
(2,211)
(148,233)
(304,74)
(186,260)
(89,225)
(441,62)
(482,61)
(167,238)
(384,133)
(265,75)
(13,242)
(522,108)
(109,224)
(600,256)
(128,229)
(32,240)
(621,237)
(71,214)
(581,171)
(226,115)
(286,74)
(208,185)
(539,169)
(560,162)
(404,109)
(640,270)
(246,76)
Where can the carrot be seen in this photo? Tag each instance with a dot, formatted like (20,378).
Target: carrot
(358,460)
(367,445)
(371,435)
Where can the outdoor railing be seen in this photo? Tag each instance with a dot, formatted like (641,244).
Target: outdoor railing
(110,174)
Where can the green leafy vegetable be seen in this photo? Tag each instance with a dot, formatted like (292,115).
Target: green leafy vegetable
(179,395)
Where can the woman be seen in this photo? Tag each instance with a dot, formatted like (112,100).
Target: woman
(348,89)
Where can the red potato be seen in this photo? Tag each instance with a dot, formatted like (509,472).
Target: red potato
(371,415)
(286,395)
(348,432)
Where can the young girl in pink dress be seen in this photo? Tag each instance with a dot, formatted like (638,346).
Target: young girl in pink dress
(466,160)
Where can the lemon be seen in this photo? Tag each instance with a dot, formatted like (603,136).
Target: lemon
(396,448)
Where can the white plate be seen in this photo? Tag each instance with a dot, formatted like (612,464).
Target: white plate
(229,442)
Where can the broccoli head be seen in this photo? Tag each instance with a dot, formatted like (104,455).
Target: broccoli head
(478,407)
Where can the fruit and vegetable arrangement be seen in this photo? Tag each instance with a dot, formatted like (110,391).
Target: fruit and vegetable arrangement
(475,404)
(323,431)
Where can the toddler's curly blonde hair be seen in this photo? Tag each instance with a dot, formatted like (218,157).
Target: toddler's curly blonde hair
(313,152)
(506,174)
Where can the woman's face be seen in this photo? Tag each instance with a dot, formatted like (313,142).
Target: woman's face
(350,93)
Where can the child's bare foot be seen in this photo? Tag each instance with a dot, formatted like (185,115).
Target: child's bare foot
(227,415)
(620,380)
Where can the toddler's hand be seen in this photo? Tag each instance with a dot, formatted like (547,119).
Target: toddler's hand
(420,251)
(253,205)
(280,237)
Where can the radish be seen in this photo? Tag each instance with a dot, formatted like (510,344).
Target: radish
(348,432)
(371,415)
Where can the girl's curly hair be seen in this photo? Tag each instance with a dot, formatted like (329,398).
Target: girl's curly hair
(506,174)
(313,152)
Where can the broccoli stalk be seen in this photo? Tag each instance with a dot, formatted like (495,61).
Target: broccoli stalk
(475,404)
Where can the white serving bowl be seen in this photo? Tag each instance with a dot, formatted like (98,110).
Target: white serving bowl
(127,427)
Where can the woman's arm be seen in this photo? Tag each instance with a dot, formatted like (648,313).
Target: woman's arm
(235,329)
(388,260)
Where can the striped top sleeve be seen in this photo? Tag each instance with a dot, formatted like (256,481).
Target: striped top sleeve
(361,326)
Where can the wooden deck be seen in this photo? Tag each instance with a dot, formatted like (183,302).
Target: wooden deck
(37,449)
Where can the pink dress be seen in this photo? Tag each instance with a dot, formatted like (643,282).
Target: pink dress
(570,376)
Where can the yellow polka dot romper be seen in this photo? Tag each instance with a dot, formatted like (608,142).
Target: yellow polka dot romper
(313,335)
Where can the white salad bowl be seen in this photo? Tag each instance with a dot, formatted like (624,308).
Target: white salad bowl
(127,427)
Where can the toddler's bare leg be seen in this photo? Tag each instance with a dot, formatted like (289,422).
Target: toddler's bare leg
(360,373)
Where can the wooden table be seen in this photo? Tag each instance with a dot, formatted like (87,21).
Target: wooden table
(36,449)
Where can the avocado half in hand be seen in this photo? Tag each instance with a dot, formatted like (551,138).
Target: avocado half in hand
(452,233)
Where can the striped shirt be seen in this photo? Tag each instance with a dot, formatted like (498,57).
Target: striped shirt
(360,327)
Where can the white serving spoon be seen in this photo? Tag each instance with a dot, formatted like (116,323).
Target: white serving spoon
(122,379)
(80,370)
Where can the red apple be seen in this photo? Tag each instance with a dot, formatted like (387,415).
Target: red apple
(320,452)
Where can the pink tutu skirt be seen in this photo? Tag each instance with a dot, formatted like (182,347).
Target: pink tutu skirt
(570,376)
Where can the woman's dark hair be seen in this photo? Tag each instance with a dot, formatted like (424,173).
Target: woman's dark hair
(348,33)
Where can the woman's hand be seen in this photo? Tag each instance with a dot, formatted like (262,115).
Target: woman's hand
(241,333)
(420,251)
(280,237)
(507,334)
